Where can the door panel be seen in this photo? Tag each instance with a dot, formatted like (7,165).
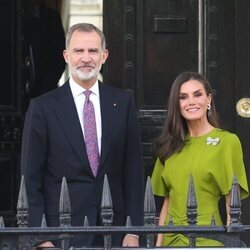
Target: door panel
(10,115)
(220,57)
(242,82)
(9,43)
(16,81)
(150,47)
(170,42)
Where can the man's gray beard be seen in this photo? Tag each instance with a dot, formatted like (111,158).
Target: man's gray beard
(83,76)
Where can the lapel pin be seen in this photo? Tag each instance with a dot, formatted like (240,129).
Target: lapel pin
(114,104)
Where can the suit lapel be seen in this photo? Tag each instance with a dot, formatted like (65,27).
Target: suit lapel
(106,113)
(66,112)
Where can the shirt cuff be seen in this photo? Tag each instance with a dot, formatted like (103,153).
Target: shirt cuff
(133,235)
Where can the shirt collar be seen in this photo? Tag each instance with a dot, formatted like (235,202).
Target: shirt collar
(77,90)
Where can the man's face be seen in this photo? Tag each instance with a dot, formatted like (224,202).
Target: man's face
(85,57)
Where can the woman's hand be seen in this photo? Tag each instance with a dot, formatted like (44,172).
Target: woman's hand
(228,200)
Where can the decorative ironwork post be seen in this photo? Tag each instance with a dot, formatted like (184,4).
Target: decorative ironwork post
(22,206)
(191,210)
(235,205)
(44,222)
(65,210)
(149,212)
(4,243)
(107,211)
(1,222)
(235,226)
(22,214)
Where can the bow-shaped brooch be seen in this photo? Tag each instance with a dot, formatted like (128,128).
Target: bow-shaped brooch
(213,141)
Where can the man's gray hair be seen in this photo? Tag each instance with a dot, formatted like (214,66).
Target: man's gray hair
(85,27)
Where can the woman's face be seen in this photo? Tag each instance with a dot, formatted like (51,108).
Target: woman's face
(193,101)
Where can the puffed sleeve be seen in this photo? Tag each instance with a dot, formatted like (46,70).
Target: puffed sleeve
(233,165)
(158,184)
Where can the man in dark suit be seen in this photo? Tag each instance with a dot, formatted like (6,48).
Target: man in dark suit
(54,143)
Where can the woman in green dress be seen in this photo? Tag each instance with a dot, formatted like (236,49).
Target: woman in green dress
(192,144)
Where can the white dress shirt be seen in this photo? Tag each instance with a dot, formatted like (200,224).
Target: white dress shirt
(79,98)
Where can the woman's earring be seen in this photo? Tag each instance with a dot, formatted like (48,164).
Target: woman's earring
(209,113)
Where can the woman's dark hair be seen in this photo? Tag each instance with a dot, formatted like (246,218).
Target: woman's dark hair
(174,132)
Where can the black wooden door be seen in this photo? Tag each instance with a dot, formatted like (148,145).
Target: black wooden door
(10,108)
(17,76)
(242,91)
(226,65)
(152,41)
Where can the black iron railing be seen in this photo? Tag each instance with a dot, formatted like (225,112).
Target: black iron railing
(24,237)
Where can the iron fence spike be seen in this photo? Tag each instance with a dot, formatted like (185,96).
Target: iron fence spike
(22,205)
(2,222)
(44,222)
(107,211)
(106,195)
(171,222)
(149,202)
(235,204)
(213,222)
(191,203)
(86,221)
(128,222)
(64,205)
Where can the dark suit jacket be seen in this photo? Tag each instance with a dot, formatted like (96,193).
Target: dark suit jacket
(53,147)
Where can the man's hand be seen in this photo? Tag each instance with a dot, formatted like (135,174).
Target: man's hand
(130,240)
(46,244)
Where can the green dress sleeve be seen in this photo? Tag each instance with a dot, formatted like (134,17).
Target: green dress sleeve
(232,165)
(158,184)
